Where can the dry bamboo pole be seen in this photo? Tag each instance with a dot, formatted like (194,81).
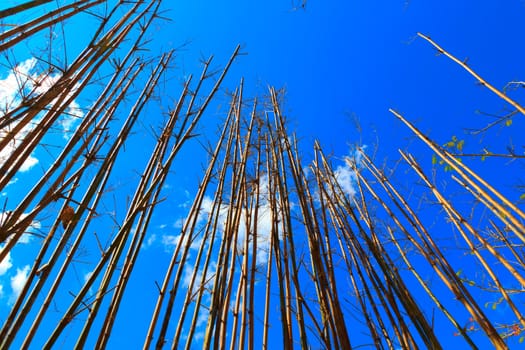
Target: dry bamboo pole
(231,231)
(459,222)
(183,257)
(273,233)
(10,329)
(449,277)
(187,134)
(24,31)
(324,197)
(487,245)
(250,219)
(427,251)
(15,222)
(93,151)
(402,253)
(286,256)
(518,258)
(136,238)
(327,206)
(434,255)
(278,153)
(325,254)
(503,213)
(195,207)
(287,337)
(394,290)
(141,205)
(384,264)
(92,56)
(255,234)
(223,283)
(183,136)
(474,74)
(280,149)
(31,140)
(367,294)
(361,261)
(429,292)
(275,247)
(221,290)
(101,126)
(135,247)
(72,310)
(101,177)
(212,225)
(145,179)
(327,300)
(22,7)
(236,332)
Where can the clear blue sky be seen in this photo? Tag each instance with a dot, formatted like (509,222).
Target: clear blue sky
(340,61)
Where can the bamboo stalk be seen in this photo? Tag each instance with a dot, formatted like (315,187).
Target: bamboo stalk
(22,7)
(474,74)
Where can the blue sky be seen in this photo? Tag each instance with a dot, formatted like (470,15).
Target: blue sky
(343,64)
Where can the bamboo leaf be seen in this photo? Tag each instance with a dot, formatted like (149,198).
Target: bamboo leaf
(460,145)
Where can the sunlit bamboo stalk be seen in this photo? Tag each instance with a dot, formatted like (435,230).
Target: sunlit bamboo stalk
(474,74)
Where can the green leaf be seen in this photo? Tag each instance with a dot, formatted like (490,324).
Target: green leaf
(494,306)
(483,157)
(434,159)
(460,145)
(487,304)
(508,122)
(522,197)
(521,340)
(449,144)
(458,273)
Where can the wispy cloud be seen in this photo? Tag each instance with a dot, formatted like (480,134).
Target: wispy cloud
(18,281)
(6,264)
(345,174)
(25,80)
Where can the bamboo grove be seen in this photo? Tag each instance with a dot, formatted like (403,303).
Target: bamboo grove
(273,251)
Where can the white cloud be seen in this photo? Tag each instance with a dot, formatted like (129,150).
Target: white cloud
(28,163)
(171,241)
(87,276)
(6,264)
(18,281)
(345,174)
(263,223)
(151,239)
(178,223)
(34,227)
(199,283)
(22,80)
(346,178)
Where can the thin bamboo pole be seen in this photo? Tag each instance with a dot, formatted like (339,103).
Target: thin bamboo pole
(22,7)
(474,74)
